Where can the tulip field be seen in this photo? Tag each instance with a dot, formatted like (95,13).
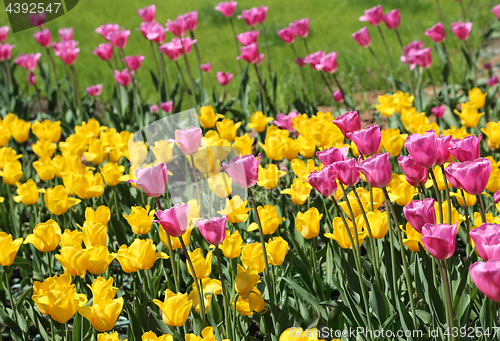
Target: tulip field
(178,199)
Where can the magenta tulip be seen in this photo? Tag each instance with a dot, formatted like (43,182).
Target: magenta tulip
(244,170)
(37,19)
(177,27)
(436,33)
(496,197)
(348,122)
(31,78)
(94,90)
(227,8)
(120,38)
(424,58)
(107,30)
(6,51)
(154,108)
(440,240)
(414,172)
(373,15)
(167,106)
(300,61)
(473,176)
(487,66)
(377,170)
(496,10)
(467,149)
(153,31)
(392,19)
(493,80)
(134,62)
(123,78)
(314,59)
(66,33)
(147,13)
(68,55)
(443,150)
(346,170)
(213,229)
(250,54)
(408,54)
(418,213)
(172,51)
(301,27)
(43,37)
(188,139)
(151,180)
(285,121)
(332,154)
(224,78)
(450,170)
(487,240)
(207,67)
(461,29)
(337,96)
(328,63)
(486,277)
(423,148)
(190,20)
(323,181)
(287,35)
(367,140)
(362,37)
(439,111)
(247,38)
(104,51)
(254,16)
(174,220)
(28,61)
(4,31)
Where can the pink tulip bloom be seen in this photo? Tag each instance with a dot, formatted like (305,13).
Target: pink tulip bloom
(424,58)
(188,139)
(418,213)
(104,51)
(167,106)
(346,170)
(147,13)
(213,229)
(28,61)
(362,37)
(461,29)
(438,111)
(300,61)
(423,148)
(134,62)
(247,38)
(94,90)
(31,78)
(6,51)
(331,155)
(373,15)
(314,59)
(123,78)
(348,122)
(177,27)
(107,30)
(301,27)
(287,35)
(487,66)
(367,140)
(467,149)
(68,55)
(408,54)
(227,8)
(443,150)
(449,170)
(377,170)
(244,170)
(66,33)
(285,121)
(153,31)
(414,172)
(328,63)
(392,19)
(174,220)
(206,67)
(176,47)
(493,80)
(250,54)
(154,108)
(43,37)
(63,45)
(436,33)
(4,30)
(496,197)
(496,10)
(224,77)
(120,38)
(152,180)
(323,181)
(472,176)
(338,96)
(190,20)
(486,277)
(254,16)
(440,239)
(37,19)
(487,240)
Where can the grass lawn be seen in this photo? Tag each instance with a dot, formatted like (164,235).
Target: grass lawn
(332,23)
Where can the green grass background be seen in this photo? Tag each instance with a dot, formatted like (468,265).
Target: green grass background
(332,23)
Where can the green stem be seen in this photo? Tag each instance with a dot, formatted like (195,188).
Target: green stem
(185,84)
(165,75)
(410,78)
(188,67)
(447,191)
(481,208)
(382,71)
(224,292)
(467,222)
(262,90)
(198,59)
(451,69)
(312,78)
(158,78)
(438,196)
(267,49)
(301,72)
(388,58)
(236,42)
(447,294)
(433,85)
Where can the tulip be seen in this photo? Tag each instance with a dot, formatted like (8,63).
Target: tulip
(439,239)
(224,78)
(277,249)
(66,33)
(301,27)
(287,34)
(190,20)
(85,186)
(477,98)
(269,219)
(254,16)
(332,155)
(188,140)
(43,37)
(140,255)
(99,259)
(27,193)
(174,220)
(74,260)
(337,96)
(153,31)
(486,277)
(107,30)
(177,27)
(346,172)
(45,236)
(299,191)
(4,30)
(469,117)
(227,8)
(12,172)
(423,148)
(348,123)
(236,210)
(250,54)
(123,78)
(392,19)
(244,170)
(424,58)
(252,257)
(308,223)
(408,54)
(472,176)
(208,287)
(324,181)
(20,130)
(67,55)
(254,303)
(94,233)
(493,80)
(439,111)
(37,19)
(5,52)
(104,51)
(175,308)
(231,246)
(467,149)
(259,121)
(147,13)
(362,37)
(436,33)
(496,10)
(167,106)
(247,38)
(140,219)
(496,197)
(245,281)
(378,223)
(393,141)
(208,117)
(57,201)
(28,61)
(367,140)
(377,170)
(94,90)
(151,180)
(207,67)
(202,266)
(9,248)
(373,15)
(269,176)
(314,59)
(328,63)
(285,121)
(414,172)
(340,233)
(443,149)
(487,240)
(418,213)
(134,62)
(300,61)
(213,229)
(461,29)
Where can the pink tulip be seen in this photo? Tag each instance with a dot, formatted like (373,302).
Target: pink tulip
(120,38)
(367,140)
(377,170)
(314,59)
(177,27)
(423,148)
(43,37)
(37,19)
(188,140)
(247,38)
(348,123)
(287,35)
(174,220)
(4,30)
(337,96)
(107,30)
(496,10)
(104,51)
(487,240)
(224,78)
(332,155)
(63,45)
(147,13)
(449,170)
(373,15)
(436,33)
(66,33)
(424,58)
(486,277)
(300,61)
(28,61)
(440,240)
(213,229)
(250,54)
(285,121)
(493,80)
(418,213)
(151,180)
(487,66)
(467,149)
(227,8)
(207,67)
(254,16)
(346,170)
(362,37)
(408,54)
(496,197)
(154,108)
(392,19)
(31,78)
(439,111)
(171,51)
(461,29)
(323,181)
(134,62)
(473,176)
(167,106)
(153,31)
(6,51)
(244,170)
(94,90)
(328,63)
(443,149)
(68,55)
(190,20)
(301,27)
(414,172)
(123,78)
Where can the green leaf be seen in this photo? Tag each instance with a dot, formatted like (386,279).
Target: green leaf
(306,296)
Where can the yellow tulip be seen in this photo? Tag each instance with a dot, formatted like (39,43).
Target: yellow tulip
(208,117)
(412,120)
(137,152)
(277,249)
(308,223)
(274,146)
(242,145)
(470,200)
(108,337)
(298,191)
(150,336)
(99,259)
(456,133)
(86,186)
(387,107)
(27,193)
(489,219)
(74,260)
(7,154)
(175,308)
(292,148)
(163,151)
(4,135)
(57,297)
(9,248)
(45,169)
(208,286)
(90,128)
(378,223)
(94,233)
(393,141)
(245,281)
(140,219)
(253,257)
(477,98)
(20,130)
(269,176)
(176,244)
(202,266)
(101,215)
(47,130)
(112,172)
(227,129)
(259,121)
(221,185)
(269,219)
(236,210)
(494,181)
(307,146)
(298,334)
(231,246)
(493,132)
(456,217)
(341,235)
(413,239)
(95,152)
(12,172)
(402,100)
(69,238)
(253,303)
(469,117)
(140,255)
(44,149)
(401,191)
(302,170)
(45,237)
